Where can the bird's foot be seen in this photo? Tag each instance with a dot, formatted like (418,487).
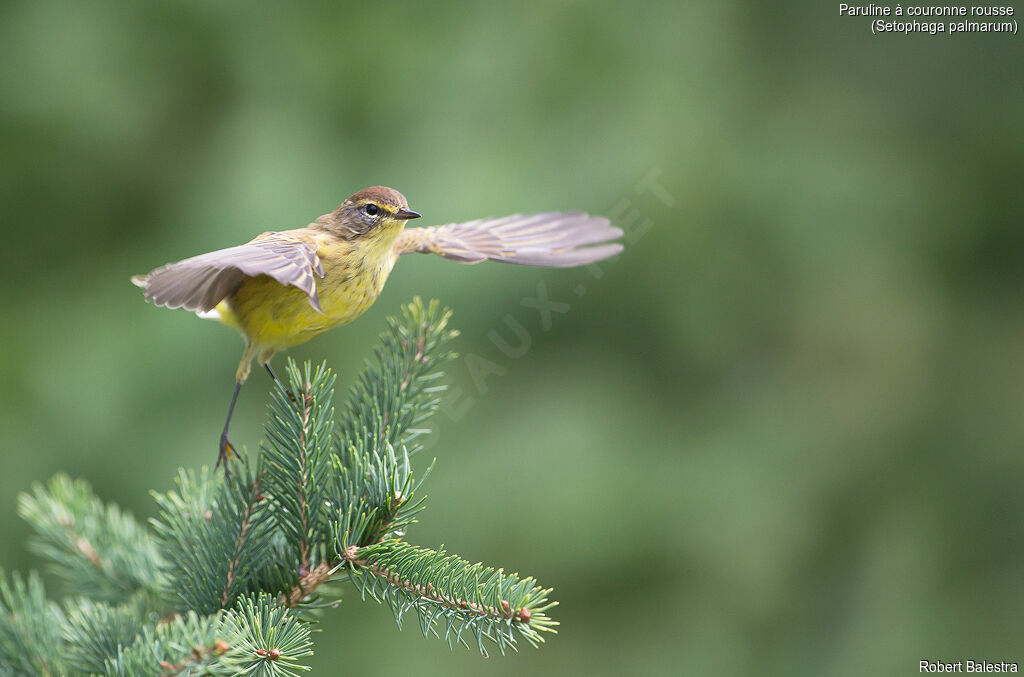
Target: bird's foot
(227,450)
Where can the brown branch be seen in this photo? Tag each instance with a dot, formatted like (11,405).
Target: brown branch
(80,543)
(254,498)
(304,478)
(308,583)
(417,359)
(199,653)
(419,343)
(85,547)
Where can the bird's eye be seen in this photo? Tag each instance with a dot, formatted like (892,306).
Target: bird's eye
(371,209)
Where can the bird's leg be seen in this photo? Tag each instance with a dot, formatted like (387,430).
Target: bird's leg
(288,392)
(226,449)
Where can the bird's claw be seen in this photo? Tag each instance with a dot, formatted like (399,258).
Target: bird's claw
(227,450)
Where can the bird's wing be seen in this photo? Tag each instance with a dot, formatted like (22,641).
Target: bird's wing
(203,281)
(552,239)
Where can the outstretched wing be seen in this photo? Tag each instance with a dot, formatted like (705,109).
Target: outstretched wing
(203,281)
(552,239)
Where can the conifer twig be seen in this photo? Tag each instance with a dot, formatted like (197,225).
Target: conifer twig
(254,497)
(488,603)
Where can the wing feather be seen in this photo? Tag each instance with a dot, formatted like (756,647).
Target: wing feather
(551,239)
(203,281)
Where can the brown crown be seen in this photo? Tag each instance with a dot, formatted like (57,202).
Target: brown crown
(380,195)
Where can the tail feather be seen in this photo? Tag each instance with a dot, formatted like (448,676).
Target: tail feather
(212,314)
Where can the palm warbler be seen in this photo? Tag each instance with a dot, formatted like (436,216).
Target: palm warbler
(284,288)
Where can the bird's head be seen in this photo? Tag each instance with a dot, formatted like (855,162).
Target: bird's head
(373,212)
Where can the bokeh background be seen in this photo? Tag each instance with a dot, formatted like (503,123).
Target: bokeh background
(781,434)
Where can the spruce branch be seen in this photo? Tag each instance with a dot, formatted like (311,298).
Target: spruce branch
(98,551)
(446,590)
(31,641)
(389,403)
(255,637)
(379,495)
(297,454)
(188,644)
(400,388)
(243,554)
(368,482)
(95,631)
(226,581)
(214,536)
(269,637)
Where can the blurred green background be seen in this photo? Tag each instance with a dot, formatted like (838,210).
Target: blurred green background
(780,434)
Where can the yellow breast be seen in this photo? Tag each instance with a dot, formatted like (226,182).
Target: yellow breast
(275,316)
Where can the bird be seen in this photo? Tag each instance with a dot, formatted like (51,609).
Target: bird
(283,288)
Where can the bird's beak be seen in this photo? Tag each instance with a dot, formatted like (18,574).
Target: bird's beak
(406,214)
